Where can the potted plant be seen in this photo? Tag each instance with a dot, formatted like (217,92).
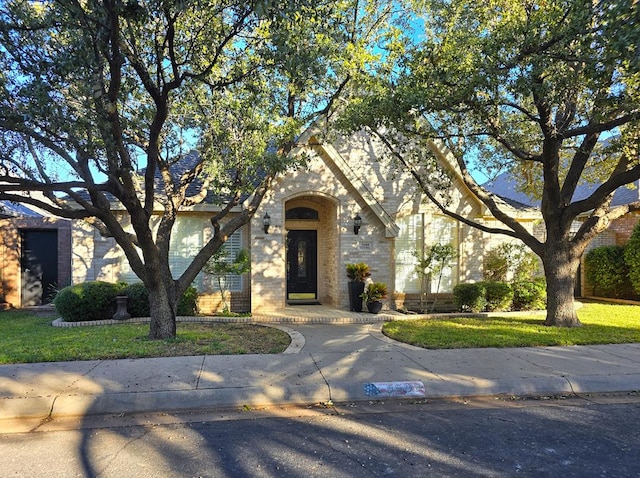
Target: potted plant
(356,274)
(373,295)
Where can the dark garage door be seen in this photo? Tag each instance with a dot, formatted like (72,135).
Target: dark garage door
(39,264)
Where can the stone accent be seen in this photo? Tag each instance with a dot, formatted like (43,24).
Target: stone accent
(324,188)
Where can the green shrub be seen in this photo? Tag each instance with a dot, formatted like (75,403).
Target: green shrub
(607,272)
(470,297)
(493,296)
(530,295)
(188,303)
(498,295)
(527,266)
(70,304)
(87,301)
(137,300)
(632,258)
(221,265)
(375,292)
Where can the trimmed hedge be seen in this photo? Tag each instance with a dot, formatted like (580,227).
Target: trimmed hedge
(499,296)
(632,258)
(97,301)
(493,296)
(137,300)
(530,295)
(94,300)
(607,271)
(470,297)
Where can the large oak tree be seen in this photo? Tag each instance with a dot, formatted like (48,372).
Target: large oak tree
(546,90)
(157,104)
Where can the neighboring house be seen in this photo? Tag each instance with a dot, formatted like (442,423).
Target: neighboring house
(35,255)
(617,233)
(301,257)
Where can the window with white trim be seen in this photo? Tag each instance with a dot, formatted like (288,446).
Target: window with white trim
(444,231)
(234,282)
(186,241)
(408,244)
(414,236)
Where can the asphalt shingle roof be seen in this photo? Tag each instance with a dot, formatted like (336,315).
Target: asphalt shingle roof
(12,209)
(505,186)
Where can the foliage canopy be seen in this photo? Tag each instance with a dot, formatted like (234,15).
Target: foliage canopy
(151,107)
(546,91)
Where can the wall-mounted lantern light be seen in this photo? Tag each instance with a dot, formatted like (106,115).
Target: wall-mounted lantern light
(266,222)
(357,223)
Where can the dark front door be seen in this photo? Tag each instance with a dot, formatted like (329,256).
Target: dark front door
(39,263)
(302,267)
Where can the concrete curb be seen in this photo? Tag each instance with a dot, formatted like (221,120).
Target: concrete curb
(323,363)
(210,399)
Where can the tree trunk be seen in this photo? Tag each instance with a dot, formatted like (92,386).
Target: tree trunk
(561,267)
(163,313)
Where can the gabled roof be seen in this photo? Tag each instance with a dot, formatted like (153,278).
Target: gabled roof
(505,185)
(331,154)
(9,209)
(311,137)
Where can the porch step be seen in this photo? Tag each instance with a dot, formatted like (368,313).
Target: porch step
(310,314)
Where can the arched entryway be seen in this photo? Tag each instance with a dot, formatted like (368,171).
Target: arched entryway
(311,250)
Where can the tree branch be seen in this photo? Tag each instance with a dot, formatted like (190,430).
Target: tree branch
(516,230)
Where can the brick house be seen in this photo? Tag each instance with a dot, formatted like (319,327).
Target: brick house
(313,213)
(312,233)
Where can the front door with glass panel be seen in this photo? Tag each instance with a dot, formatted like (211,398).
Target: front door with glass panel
(302,267)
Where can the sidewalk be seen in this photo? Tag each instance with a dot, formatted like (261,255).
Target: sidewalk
(325,362)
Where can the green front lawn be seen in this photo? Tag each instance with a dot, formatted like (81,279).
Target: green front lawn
(602,324)
(25,338)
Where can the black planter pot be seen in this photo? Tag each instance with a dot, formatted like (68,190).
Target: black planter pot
(355,301)
(374,307)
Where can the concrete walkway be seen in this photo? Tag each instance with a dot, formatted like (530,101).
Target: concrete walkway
(325,363)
